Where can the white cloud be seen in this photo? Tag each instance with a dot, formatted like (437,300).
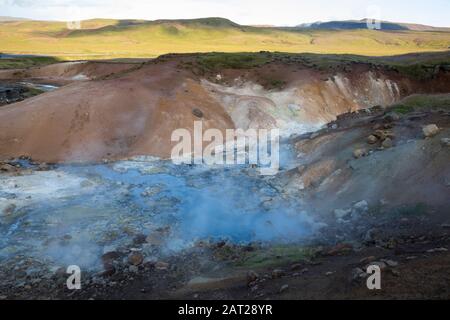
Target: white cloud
(279,12)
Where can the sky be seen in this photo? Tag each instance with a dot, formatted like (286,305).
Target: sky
(249,12)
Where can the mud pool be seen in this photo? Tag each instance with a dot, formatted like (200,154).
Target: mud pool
(72,214)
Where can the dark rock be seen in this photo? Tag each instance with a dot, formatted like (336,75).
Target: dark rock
(198,113)
(252,276)
(277,273)
(135,259)
(139,239)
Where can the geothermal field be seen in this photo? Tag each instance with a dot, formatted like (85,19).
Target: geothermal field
(87,176)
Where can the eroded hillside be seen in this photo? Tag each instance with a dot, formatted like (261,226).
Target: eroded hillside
(113,111)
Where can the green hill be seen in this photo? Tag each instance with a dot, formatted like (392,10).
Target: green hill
(103,38)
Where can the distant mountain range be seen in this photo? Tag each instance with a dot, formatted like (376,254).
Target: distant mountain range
(362,24)
(3,18)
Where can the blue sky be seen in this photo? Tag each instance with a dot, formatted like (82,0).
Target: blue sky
(276,12)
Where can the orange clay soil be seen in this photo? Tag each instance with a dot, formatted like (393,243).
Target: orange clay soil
(129,110)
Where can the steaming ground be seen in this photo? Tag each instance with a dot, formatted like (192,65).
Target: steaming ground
(73,214)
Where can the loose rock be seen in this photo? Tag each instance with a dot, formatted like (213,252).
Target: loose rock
(252,276)
(198,113)
(359,153)
(284,288)
(430,130)
(277,273)
(135,259)
(161,265)
(445,142)
(387,143)
(372,139)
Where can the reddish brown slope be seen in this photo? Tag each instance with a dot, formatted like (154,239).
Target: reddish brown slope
(132,115)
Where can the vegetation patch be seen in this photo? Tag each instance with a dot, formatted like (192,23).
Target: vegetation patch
(417,103)
(28,62)
(219,61)
(276,255)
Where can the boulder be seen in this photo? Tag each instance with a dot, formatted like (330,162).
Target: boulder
(445,142)
(135,259)
(7,209)
(161,265)
(361,207)
(430,130)
(380,134)
(372,139)
(252,276)
(387,143)
(359,153)
(277,273)
(342,213)
(392,116)
(6,167)
(198,113)
(284,288)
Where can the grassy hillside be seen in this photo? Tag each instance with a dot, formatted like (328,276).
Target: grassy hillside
(130,38)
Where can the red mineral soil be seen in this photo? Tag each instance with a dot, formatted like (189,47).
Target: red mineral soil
(125,110)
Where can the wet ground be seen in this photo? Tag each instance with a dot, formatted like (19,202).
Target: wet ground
(12,92)
(149,229)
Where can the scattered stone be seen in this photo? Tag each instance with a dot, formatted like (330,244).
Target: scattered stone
(359,153)
(377,126)
(110,257)
(5,167)
(108,270)
(277,273)
(155,239)
(8,210)
(139,239)
(342,213)
(358,273)
(394,272)
(372,139)
(252,276)
(437,250)
(367,259)
(430,130)
(372,235)
(380,264)
(334,126)
(161,265)
(296,266)
(197,112)
(390,263)
(387,143)
(380,134)
(133,269)
(445,142)
(361,206)
(340,249)
(392,116)
(284,288)
(135,258)
(43,167)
